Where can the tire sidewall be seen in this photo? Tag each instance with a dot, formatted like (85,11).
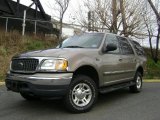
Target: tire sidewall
(135,79)
(82,79)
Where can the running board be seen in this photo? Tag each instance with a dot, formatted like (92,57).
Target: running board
(115,87)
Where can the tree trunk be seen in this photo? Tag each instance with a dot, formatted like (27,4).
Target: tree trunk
(122,8)
(114,28)
(154,9)
(150,43)
(157,47)
(150,38)
(60,30)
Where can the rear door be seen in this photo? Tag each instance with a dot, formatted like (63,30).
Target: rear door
(128,60)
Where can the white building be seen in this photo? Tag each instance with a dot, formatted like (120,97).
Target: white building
(67,29)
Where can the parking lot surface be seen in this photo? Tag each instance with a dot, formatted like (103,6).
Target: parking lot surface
(117,105)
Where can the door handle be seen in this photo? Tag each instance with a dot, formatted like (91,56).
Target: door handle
(134,60)
(120,59)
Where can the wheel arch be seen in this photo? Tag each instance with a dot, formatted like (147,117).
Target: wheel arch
(140,69)
(89,71)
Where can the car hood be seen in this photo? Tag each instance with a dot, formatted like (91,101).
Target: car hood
(63,52)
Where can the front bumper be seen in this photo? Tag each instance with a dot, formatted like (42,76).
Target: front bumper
(39,84)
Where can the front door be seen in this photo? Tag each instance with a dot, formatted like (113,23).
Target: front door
(111,65)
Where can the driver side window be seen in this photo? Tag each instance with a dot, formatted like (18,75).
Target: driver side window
(112,39)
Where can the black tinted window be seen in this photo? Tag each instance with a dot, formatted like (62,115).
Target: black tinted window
(138,48)
(112,39)
(125,46)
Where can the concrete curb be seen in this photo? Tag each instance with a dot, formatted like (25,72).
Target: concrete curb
(2,83)
(151,81)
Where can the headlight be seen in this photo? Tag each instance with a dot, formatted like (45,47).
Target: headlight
(54,65)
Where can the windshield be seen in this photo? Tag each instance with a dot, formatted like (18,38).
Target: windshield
(90,40)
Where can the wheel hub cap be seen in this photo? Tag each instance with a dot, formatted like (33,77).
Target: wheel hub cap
(81,94)
(139,83)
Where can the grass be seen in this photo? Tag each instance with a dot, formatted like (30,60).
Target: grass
(13,43)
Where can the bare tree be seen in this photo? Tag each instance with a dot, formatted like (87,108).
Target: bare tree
(131,19)
(117,16)
(150,33)
(60,8)
(158,34)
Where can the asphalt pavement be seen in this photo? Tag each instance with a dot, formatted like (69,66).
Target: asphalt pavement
(117,105)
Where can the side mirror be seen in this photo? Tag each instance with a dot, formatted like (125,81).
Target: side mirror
(111,47)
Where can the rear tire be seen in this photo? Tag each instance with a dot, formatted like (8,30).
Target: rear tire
(138,83)
(82,94)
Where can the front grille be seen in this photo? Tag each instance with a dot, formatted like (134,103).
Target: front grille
(24,65)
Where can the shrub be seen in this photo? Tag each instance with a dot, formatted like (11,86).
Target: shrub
(153,69)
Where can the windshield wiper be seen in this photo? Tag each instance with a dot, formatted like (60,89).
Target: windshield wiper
(73,46)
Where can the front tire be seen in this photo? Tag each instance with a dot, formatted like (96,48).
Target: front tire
(138,83)
(82,94)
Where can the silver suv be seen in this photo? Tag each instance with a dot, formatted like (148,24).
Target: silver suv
(78,69)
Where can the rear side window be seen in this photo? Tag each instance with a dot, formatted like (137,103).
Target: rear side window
(139,50)
(125,46)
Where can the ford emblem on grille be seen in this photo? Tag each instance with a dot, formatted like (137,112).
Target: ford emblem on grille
(20,65)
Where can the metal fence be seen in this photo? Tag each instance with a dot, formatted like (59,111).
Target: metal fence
(28,25)
(24,26)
